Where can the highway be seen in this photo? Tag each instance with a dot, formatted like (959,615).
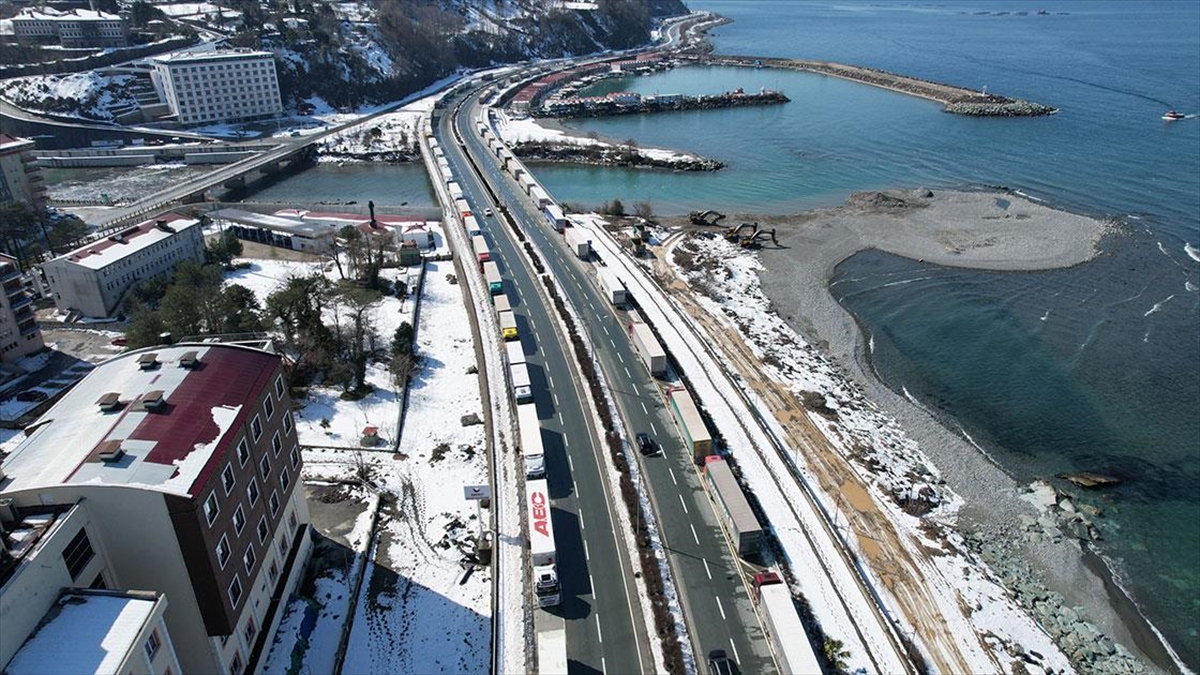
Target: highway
(715,600)
(605,633)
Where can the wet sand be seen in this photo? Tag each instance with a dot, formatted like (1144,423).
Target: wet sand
(984,230)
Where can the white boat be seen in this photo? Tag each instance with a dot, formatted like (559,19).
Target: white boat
(1171,115)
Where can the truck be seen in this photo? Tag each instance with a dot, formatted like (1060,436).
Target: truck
(578,241)
(515,352)
(479,245)
(537,194)
(648,348)
(522,387)
(508,325)
(793,651)
(740,523)
(500,302)
(462,207)
(552,650)
(455,189)
(611,284)
(471,225)
(527,183)
(491,274)
(554,217)
(691,425)
(542,553)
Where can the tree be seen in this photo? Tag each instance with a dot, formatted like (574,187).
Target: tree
(643,210)
(241,311)
(18,227)
(223,248)
(64,232)
(358,304)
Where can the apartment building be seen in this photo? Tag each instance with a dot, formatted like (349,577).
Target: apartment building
(229,85)
(19,332)
(70,28)
(94,278)
(179,465)
(20,177)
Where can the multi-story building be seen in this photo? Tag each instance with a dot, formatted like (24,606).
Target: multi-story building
(19,332)
(174,470)
(203,87)
(20,177)
(93,278)
(72,28)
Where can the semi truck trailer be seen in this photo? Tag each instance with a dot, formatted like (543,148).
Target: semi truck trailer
(789,641)
(542,553)
(611,284)
(578,241)
(648,348)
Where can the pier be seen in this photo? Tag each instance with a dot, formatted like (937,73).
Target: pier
(634,104)
(957,100)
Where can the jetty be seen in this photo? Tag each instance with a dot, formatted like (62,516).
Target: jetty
(957,100)
(633,104)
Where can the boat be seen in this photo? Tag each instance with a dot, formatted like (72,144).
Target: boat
(1171,115)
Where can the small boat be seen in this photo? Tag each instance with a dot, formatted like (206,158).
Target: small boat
(1171,115)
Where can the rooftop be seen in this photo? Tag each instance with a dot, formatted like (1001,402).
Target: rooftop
(84,632)
(205,56)
(51,14)
(166,432)
(277,223)
(102,253)
(12,143)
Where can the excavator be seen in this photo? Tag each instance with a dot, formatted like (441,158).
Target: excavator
(702,217)
(734,234)
(754,240)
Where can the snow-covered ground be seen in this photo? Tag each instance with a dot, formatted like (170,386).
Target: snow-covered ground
(86,95)
(513,130)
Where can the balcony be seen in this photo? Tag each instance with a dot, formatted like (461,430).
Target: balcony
(28,326)
(8,272)
(19,302)
(13,286)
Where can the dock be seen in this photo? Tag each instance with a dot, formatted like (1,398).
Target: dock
(634,104)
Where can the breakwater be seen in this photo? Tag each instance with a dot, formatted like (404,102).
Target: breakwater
(614,105)
(957,100)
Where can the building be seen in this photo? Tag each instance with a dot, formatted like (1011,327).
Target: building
(20,177)
(19,332)
(229,85)
(172,470)
(71,28)
(275,230)
(94,278)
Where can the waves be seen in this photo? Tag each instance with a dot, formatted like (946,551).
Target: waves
(1192,251)
(1159,305)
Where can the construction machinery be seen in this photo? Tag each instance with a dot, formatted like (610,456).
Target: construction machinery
(735,233)
(754,241)
(702,217)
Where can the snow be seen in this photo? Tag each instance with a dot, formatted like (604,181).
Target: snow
(90,634)
(88,95)
(514,130)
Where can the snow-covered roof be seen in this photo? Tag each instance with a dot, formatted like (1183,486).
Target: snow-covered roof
(51,14)
(85,633)
(12,143)
(173,447)
(102,253)
(206,56)
(275,223)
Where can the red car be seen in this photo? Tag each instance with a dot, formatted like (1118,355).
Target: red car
(119,341)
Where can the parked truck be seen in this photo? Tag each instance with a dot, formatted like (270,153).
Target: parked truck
(691,425)
(537,194)
(462,207)
(740,523)
(471,225)
(501,304)
(611,284)
(579,242)
(542,553)
(515,352)
(648,348)
(482,253)
(522,388)
(789,641)
(508,325)
(554,216)
(491,274)
(455,189)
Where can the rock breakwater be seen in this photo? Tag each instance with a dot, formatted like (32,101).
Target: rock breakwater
(609,155)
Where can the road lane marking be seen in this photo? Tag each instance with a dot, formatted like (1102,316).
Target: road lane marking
(603,666)
(566,442)
(644,409)
(599,633)
(556,405)
(585,550)
(697,539)
(622,358)
(635,388)
(627,373)
(682,503)
(654,428)
(605,329)
(672,476)
(720,608)
(734,648)
(706,570)
(614,345)
(550,380)
(570,462)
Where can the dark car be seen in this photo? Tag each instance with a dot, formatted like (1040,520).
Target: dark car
(646,444)
(30,395)
(719,663)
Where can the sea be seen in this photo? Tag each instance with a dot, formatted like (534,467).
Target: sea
(1093,368)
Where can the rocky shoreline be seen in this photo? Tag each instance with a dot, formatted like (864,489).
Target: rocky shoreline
(608,155)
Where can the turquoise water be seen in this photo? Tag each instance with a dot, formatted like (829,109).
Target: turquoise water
(1091,368)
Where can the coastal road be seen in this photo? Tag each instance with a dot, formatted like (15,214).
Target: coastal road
(600,610)
(710,578)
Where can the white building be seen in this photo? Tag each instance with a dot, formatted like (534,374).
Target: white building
(203,87)
(93,278)
(173,470)
(73,28)
(19,332)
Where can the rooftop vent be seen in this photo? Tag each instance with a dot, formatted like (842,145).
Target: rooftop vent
(154,400)
(162,225)
(109,452)
(109,402)
(148,361)
(188,360)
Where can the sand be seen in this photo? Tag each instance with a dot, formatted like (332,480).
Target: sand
(983,230)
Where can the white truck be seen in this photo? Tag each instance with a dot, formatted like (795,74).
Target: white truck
(537,194)
(611,284)
(542,554)
(522,389)
(555,217)
(579,241)
(531,441)
(793,653)
(648,348)
(514,350)
(552,651)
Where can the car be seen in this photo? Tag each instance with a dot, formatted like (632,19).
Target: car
(30,395)
(119,341)
(719,663)
(487,212)
(646,444)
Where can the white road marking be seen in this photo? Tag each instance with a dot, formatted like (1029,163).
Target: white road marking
(603,666)
(628,374)
(585,550)
(654,428)
(644,407)
(734,648)
(622,358)
(683,503)
(706,570)
(694,537)
(579,515)
(672,476)
(555,400)
(550,380)
(566,442)
(599,633)
(635,388)
(570,462)
(605,329)
(720,608)
(614,345)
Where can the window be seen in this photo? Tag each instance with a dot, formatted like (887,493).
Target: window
(276,444)
(256,428)
(263,530)
(268,407)
(273,503)
(235,593)
(243,452)
(78,554)
(223,551)
(279,387)
(211,509)
(273,571)
(251,631)
(239,521)
(295,457)
(292,520)
(284,479)
(227,478)
(152,644)
(264,465)
(287,422)
(283,544)
(249,558)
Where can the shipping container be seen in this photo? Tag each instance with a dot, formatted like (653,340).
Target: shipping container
(691,425)
(740,524)
(648,347)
